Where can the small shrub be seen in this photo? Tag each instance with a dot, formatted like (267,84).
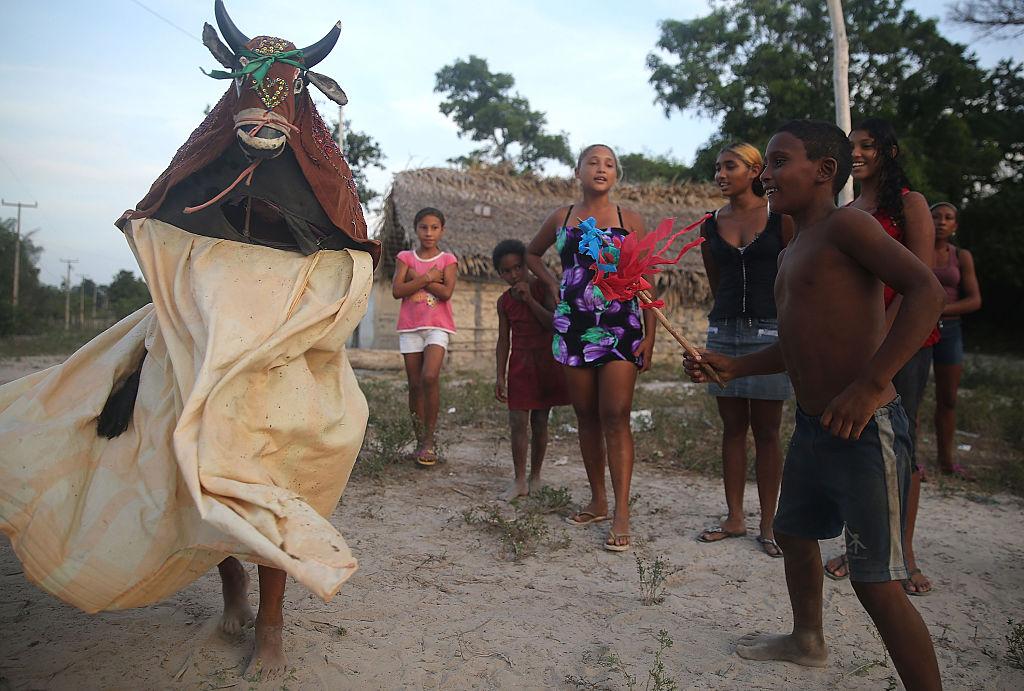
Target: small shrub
(546,500)
(657,679)
(1015,644)
(652,580)
(521,535)
(389,431)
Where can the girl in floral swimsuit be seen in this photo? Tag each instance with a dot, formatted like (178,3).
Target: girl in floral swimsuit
(602,343)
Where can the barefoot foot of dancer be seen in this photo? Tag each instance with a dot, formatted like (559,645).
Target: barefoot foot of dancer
(517,489)
(535,482)
(806,650)
(268,660)
(235,588)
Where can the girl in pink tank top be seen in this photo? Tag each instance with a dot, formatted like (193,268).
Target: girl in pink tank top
(424,282)
(954,267)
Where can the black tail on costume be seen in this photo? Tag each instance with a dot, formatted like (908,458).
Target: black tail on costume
(117,411)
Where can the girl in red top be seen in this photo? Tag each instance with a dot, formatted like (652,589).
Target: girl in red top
(885,194)
(535,382)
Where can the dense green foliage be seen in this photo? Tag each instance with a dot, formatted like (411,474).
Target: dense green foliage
(754,64)
(642,167)
(486,110)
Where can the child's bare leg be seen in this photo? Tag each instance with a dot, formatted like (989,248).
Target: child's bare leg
(765,418)
(538,444)
(268,660)
(735,413)
(903,631)
(583,392)
(917,582)
(947,381)
(413,370)
(518,420)
(433,358)
(616,381)
(234,585)
(806,644)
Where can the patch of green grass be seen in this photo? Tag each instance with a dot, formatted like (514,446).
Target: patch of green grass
(1015,644)
(545,500)
(54,341)
(521,535)
(388,431)
(474,403)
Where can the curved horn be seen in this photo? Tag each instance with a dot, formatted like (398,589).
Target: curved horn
(235,38)
(319,50)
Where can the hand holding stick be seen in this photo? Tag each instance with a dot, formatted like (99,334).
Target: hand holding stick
(646,298)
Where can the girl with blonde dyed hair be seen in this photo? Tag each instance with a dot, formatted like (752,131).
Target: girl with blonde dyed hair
(743,241)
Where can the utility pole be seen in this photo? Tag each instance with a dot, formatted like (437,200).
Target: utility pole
(81,304)
(17,244)
(67,294)
(841,80)
(95,291)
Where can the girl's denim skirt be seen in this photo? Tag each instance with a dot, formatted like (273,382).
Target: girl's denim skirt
(738,336)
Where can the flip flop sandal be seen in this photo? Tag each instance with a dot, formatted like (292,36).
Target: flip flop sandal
(615,546)
(915,593)
(845,565)
(719,530)
(767,544)
(426,458)
(591,518)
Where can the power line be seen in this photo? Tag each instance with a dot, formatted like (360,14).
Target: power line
(167,21)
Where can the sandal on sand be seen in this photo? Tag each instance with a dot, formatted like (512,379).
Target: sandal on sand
(770,546)
(426,458)
(910,581)
(614,545)
(708,535)
(840,572)
(959,472)
(581,518)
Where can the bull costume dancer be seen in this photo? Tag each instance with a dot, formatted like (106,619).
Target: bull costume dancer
(223,418)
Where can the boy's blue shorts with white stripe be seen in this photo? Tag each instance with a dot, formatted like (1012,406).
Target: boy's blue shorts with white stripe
(862,484)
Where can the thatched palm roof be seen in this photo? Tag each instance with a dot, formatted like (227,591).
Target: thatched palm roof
(484,206)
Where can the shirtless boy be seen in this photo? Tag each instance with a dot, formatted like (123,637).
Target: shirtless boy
(848,461)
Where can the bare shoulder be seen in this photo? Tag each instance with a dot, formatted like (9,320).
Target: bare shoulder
(964,255)
(847,218)
(633,221)
(914,201)
(555,218)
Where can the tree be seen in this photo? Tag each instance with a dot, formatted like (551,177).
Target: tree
(753,64)
(641,167)
(757,63)
(483,106)
(991,17)
(362,153)
(126,293)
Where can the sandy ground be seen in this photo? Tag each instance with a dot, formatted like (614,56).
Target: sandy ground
(436,605)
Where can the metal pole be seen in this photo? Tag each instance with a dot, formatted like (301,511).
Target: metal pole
(17,245)
(81,304)
(841,80)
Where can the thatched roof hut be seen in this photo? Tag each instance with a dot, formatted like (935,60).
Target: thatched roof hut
(483,206)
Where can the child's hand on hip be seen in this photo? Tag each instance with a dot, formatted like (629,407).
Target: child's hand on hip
(848,414)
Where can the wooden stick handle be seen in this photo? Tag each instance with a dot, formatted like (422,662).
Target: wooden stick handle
(680,339)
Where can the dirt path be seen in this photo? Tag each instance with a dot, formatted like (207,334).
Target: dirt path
(435,604)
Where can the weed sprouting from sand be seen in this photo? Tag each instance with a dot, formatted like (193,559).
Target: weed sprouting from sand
(652,579)
(546,500)
(1015,644)
(521,535)
(657,679)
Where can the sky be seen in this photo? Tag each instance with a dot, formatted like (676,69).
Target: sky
(99,95)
